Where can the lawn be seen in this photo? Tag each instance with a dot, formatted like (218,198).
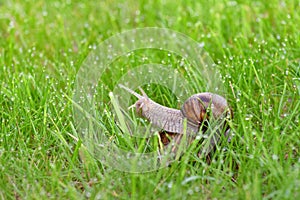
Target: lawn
(44,46)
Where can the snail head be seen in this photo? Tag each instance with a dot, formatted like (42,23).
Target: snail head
(142,102)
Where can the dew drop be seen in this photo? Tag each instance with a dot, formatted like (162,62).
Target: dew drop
(274,157)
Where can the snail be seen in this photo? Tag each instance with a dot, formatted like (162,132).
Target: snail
(196,112)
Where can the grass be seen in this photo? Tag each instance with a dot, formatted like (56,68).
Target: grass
(256,46)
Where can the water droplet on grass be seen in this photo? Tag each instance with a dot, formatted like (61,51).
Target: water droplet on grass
(274,157)
(88,194)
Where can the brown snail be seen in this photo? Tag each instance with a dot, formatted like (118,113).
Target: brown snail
(196,110)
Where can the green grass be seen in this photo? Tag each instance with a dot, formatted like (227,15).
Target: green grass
(256,46)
